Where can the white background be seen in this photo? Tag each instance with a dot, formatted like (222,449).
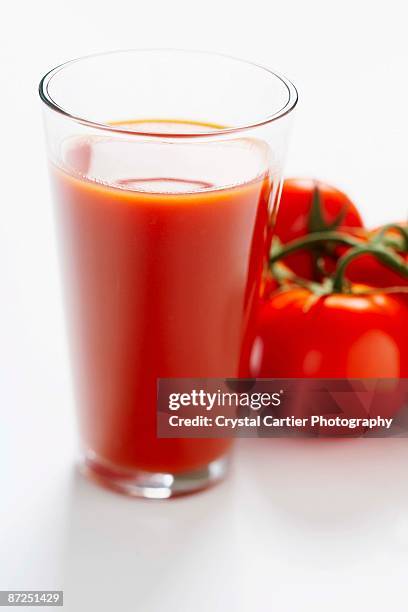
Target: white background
(297,527)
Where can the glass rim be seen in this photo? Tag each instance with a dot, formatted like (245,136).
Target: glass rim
(47,99)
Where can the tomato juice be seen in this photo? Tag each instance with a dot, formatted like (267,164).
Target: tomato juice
(163,257)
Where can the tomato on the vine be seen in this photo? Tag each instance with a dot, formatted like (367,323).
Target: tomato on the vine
(302,335)
(340,310)
(298,215)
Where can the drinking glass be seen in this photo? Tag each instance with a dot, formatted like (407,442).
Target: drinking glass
(166,171)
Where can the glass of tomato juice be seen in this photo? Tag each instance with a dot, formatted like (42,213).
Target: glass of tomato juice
(166,171)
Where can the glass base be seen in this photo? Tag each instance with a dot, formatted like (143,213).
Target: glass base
(152,485)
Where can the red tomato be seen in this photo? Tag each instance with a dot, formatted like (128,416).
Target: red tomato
(301,335)
(294,217)
(368,270)
(333,336)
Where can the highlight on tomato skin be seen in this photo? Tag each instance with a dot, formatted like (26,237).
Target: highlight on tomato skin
(295,219)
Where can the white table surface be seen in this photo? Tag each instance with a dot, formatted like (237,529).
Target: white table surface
(298,526)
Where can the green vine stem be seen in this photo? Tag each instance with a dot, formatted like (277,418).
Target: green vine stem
(383,254)
(314,240)
(402,231)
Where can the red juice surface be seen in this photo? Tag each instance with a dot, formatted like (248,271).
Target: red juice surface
(163,265)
